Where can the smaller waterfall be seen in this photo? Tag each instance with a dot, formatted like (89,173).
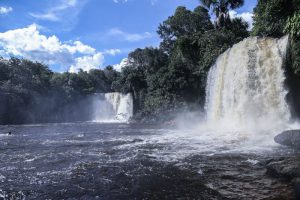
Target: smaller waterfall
(112,107)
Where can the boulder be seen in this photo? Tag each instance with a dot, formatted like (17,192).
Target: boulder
(289,138)
(288,168)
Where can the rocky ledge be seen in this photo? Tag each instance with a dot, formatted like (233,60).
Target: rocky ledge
(289,138)
(288,169)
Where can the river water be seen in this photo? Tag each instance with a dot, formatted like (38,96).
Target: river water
(127,161)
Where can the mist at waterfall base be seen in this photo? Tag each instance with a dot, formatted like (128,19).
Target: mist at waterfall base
(219,154)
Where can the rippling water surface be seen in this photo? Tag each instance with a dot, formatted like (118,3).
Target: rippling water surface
(122,161)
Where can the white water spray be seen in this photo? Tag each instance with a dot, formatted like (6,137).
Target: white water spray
(245,88)
(112,107)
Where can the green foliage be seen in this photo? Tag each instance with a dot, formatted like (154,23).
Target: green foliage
(183,23)
(221,9)
(295,56)
(30,92)
(143,63)
(293,26)
(270,16)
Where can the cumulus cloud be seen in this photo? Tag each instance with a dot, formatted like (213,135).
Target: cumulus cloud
(130,37)
(29,43)
(87,62)
(5,10)
(247,16)
(123,63)
(79,47)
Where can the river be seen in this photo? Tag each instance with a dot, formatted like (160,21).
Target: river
(130,161)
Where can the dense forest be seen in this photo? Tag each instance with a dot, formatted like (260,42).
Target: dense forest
(30,92)
(162,80)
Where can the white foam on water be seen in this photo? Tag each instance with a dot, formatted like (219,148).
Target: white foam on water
(2,178)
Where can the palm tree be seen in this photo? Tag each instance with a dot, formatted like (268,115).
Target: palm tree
(221,9)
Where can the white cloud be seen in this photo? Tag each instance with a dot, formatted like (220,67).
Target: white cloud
(46,16)
(123,63)
(87,63)
(247,16)
(131,37)
(112,52)
(79,47)
(31,44)
(62,10)
(5,10)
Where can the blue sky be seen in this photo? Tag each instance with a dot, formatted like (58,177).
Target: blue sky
(68,34)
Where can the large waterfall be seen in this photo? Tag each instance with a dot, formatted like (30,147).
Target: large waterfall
(245,87)
(112,107)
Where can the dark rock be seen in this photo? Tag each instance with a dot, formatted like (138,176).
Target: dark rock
(297,187)
(288,168)
(289,138)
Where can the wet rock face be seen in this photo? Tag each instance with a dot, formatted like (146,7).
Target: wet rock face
(287,168)
(289,138)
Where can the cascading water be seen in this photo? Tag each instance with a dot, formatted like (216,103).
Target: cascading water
(112,107)
(245,87)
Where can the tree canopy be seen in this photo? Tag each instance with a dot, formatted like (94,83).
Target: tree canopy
(221,9)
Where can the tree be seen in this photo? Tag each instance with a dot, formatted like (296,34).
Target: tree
(221,9)
(270,16)
(293,25)
(183,23)
(142,63)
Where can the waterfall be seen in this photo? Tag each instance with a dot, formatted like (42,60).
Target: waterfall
(112,107)
(245,87)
